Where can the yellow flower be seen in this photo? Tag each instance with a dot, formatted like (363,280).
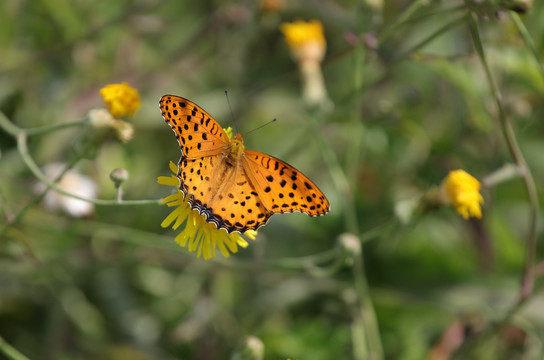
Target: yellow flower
(307,44)
(462,191)
(121,99)
(305,39)
(199,235)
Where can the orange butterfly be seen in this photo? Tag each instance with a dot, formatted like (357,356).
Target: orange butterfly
(236,189)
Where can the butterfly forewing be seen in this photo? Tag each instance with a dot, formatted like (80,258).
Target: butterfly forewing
(281,187)
(197,132)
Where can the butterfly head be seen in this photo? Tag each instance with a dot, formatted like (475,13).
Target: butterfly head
(236,146)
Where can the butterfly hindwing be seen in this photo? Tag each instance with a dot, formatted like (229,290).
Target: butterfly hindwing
(197,132)
(281,187)
(222,193)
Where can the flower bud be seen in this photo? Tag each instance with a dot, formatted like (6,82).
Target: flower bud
(462,191)
(351,247)
(251,349)
(119,176)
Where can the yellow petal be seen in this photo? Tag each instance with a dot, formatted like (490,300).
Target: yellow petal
(121,99)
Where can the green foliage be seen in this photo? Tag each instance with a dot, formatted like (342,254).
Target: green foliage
(415,89)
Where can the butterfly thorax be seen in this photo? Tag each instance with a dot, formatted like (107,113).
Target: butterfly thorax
(236,146)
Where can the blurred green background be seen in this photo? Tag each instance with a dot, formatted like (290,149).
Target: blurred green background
(411,102)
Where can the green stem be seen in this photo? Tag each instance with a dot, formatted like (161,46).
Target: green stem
(365,332)
(403,18)
(433,12)
(165,242)
(354,145)
(8,126)
(23,240)
(34,168)
(382,77)
(54,127)
(528,40)
(8,213)
(10,351)
(13,129)
(369,322)
(119,197)
(380,231)
(22,146)
(321,265)
(504,173)
(15,218)
(472,342)
(447,27)
(509,135)
(305,262)
(338,176)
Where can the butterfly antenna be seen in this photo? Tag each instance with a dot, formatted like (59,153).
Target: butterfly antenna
(231,113)
(268,123)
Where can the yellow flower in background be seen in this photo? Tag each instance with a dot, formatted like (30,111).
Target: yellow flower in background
(305,39)
(121,99)
(307,45)
(462,191)
(198,235)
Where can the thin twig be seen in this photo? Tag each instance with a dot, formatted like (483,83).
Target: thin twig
(10,351)
(8,126)
(527,286)
(506,172)
(142,238)
(354,148)
(468,345)
(330,157)
(369,320)
(365,333)
(21,136)
(447,27)
(13,129)
(528,40)
(407,14)
(510,137)
(54,127)
(34,168)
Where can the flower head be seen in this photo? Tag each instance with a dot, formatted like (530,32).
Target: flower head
(305,40)
(462,191)
(252,348)
(72,182)
(307,44)
(199,235)
(103,119)
(121,99)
